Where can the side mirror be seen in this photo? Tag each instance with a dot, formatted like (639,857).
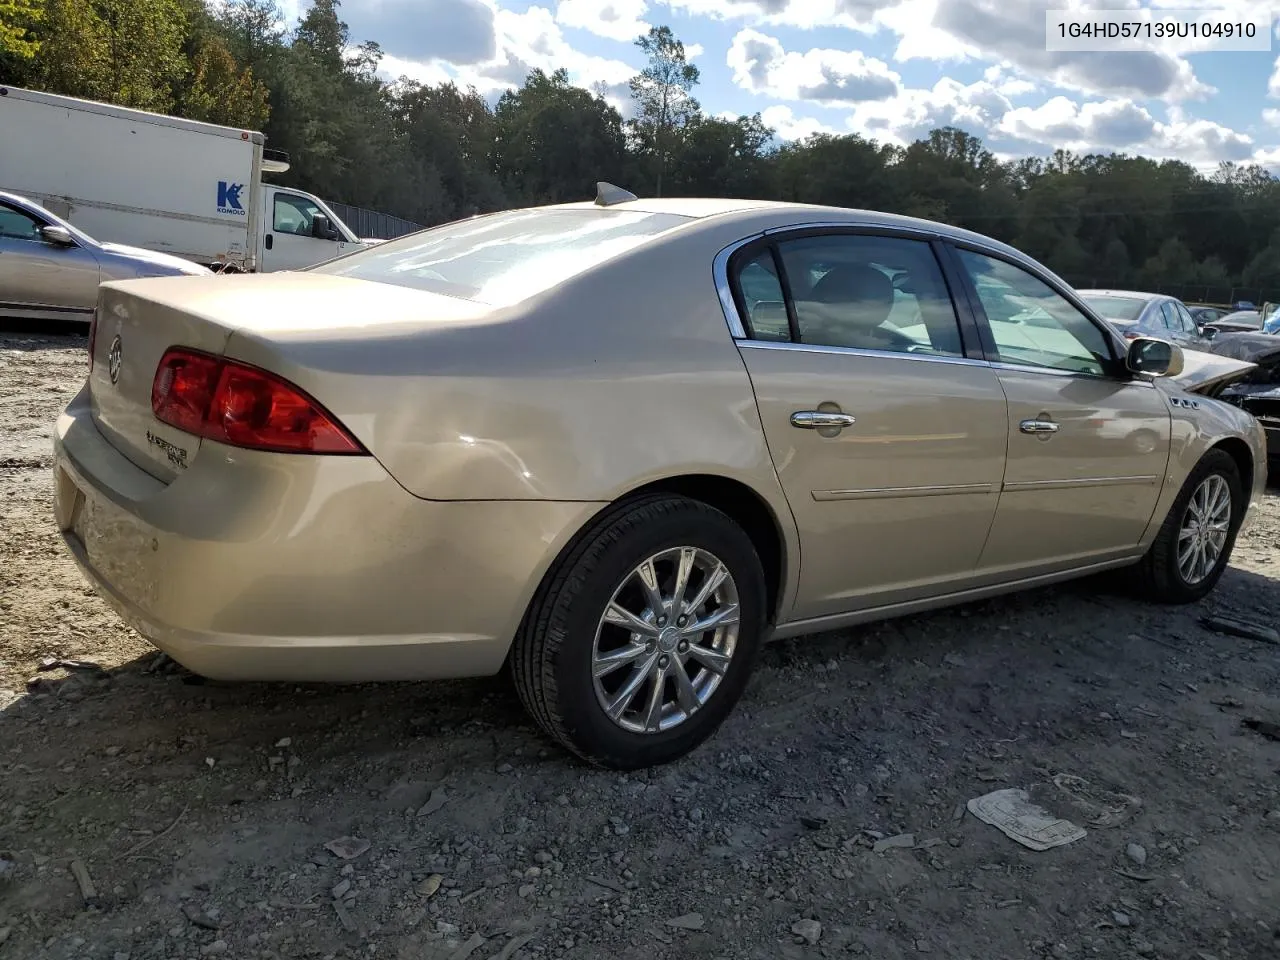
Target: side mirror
(322,229)
(1155,358)
(59,236)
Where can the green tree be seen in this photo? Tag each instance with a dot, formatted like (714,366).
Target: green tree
(663,92)
(120,51)
(222,92)
(553,140)
(18,22)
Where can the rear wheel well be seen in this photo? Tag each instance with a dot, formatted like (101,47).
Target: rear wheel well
(746,508)
(1239,452)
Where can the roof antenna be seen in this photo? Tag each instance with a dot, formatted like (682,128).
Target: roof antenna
(607,194)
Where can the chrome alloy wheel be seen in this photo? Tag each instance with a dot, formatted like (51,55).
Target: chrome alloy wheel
(665,640)
(1203,534)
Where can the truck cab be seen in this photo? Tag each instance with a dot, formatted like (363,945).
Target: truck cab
(300,230)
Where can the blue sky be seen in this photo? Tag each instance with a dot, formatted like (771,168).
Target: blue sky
(887,69)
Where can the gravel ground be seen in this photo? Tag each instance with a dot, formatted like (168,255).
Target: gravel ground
(199,813)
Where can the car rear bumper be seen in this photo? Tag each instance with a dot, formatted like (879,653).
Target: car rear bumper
(253,566)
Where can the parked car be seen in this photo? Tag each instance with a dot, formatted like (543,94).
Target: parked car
(501,442)
(1258,391)
(1147,315)
(1240,321)
(49,270)
(169,184)
(1202,314)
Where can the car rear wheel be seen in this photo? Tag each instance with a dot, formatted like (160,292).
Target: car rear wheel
(642,637)
(1194,544)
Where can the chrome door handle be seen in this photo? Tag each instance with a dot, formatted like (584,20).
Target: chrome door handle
(1038,426)
(818,419)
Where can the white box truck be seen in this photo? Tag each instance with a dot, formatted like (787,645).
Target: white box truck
(163,183)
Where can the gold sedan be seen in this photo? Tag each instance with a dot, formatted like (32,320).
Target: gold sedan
(615,446)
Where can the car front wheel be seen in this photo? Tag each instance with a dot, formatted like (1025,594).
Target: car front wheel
(641,639)
(1194,544)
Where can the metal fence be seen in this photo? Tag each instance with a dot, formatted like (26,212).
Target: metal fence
(1196,293)
(371,223)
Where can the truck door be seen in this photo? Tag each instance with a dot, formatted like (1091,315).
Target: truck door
(294,237)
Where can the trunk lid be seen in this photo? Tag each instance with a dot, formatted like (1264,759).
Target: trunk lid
(138,320)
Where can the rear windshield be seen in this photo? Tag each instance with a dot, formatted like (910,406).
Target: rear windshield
(503,258)
(1116,308)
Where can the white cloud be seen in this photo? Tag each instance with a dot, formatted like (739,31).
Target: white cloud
(808,14)
(1123,125)
(787,126)
(761,65)
(1273,85)
(621,20)
(1271,116)
(1008,85)
(456,31)
(910,115)
(522,42)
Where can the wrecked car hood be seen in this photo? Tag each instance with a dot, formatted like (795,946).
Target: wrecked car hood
(1207,372)
(1253,347)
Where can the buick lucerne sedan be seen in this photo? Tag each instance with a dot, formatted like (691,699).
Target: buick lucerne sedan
(614,446)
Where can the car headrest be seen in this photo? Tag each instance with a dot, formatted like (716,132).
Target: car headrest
(857,285)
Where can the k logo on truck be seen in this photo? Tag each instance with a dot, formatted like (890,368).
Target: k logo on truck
(229,198)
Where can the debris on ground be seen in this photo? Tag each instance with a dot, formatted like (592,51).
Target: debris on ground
(429,886)
(437,800)
(901,841)
(58,663)
(1101,807)
(347,848)
(1267,728)
(1241,628)
(88,892)
(690,921)
(1137,853)
(199,917)
(1012,812)
(810,931)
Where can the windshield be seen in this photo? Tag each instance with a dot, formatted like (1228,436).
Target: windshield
(1273,322)
(504,258)
(1115,308)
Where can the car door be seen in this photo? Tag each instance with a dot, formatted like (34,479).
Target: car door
(288,243)
(1172,323)
(40,276)
(888,440)
(1088,443)
(1192,338)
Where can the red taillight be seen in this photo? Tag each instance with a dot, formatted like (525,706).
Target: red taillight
(93,336)
(1130,335)
(243,406)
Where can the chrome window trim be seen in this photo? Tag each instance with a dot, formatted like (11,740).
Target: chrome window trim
(1080,374)
(748,343)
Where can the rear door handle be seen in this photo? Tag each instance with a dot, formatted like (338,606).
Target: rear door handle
(1038,426)
(818,419)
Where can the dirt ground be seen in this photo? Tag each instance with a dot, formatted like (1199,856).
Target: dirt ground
(200,811)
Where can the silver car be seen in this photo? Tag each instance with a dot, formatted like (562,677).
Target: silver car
(1147,315)
(49,270)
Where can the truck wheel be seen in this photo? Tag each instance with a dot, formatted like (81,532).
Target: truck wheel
(642,637)
(1194,544)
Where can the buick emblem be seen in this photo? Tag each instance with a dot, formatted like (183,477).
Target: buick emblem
(115,359)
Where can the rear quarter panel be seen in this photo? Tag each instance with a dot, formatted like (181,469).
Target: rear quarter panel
(623,376)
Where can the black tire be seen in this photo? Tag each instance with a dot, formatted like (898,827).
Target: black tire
(551,659)
(1157,576)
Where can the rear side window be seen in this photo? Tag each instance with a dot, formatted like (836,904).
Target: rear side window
(855,291)
(504,258)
